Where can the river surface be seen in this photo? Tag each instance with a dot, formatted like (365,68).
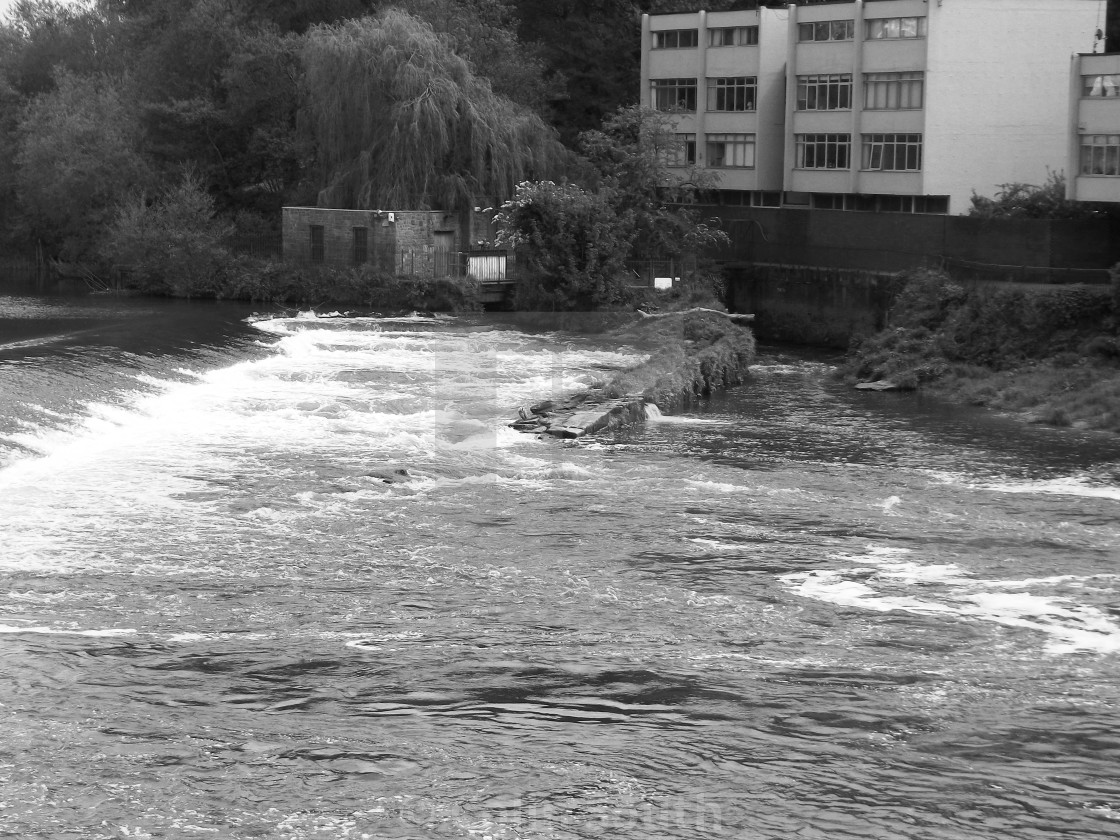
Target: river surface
(295,578)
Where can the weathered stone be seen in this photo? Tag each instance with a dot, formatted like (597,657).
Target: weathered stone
(881,385)
(564,431)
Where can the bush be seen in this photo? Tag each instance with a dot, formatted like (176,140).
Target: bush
(574,242)
(245,278)
(169,244)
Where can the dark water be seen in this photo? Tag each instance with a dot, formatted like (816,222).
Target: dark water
(297,579)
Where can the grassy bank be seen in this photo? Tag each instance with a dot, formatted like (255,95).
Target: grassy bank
(266,281)
(1050,354)
(692,353)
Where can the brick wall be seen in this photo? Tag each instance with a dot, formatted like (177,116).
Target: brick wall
(388,233)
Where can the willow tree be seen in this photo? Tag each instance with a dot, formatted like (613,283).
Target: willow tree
(399,120)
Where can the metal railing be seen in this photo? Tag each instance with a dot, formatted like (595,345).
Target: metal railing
(996,273)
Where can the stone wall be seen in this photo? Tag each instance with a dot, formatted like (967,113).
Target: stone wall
(901,241)
(388,233)
(810,305)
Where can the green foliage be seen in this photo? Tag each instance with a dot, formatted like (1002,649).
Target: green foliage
(484,32)
(576,243)
(42,38)
(1046,350)
(171,244)
(1114,273)
(1028,201)
(79,154)
(244,278)
(218,89)
(594,47)
(629,155)
(399,120)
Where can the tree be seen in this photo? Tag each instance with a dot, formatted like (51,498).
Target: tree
(1029,201)
(399,120)
(42,37)
(79,153)
(631,156)
(594,48)
(576,243)
(484,32)
(171,243)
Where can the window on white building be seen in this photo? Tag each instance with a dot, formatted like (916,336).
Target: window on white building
(827,30)
(1102,85)
(674,94)
(735,93)
(729,150)
(893,91)
(733,36)
(675,39)
(823,151)
(899,27)
(829,92)
(1100,154)
(892,152)
(679,151)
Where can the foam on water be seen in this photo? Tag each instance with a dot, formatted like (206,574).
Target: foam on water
(54,631)
(1078,484)
(886,576)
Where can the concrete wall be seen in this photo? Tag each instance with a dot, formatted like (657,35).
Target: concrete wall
(997,92)
(825,306)
(900,241)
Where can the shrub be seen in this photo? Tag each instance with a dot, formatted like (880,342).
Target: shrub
(574,241)
(246,278)
(171,243)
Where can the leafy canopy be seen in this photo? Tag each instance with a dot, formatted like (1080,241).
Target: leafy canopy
(400,120)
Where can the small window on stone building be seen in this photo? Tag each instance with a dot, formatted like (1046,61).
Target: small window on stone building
(360,251)
(317,254)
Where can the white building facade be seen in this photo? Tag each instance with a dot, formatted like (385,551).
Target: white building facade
(890,105)
(1094,138)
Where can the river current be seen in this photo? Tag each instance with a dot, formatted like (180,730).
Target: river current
(294,577)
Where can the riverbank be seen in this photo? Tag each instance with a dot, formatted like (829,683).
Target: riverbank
(1047,354)
(692,353)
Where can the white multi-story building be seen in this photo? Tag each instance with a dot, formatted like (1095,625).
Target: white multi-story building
(1094,139)
(723,76)
(906,105)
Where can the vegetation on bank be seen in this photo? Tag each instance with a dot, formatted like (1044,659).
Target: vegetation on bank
(1048,353)
(694,353)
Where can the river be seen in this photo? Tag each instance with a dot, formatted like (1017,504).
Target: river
(293,577)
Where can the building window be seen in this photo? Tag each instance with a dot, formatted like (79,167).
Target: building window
(892,152)
(1106,85)
(865,203)
(824,93)
(729,151)
(736,93)
(823,151)
(360,251)
(733,36)
(827,30)
(899,27)
(893,91)
(680,152)
(675,39)
(1100,154)
(317,251)
(674,94)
